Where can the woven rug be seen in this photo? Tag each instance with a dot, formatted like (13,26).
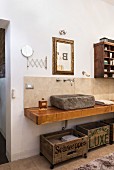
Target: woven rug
(104,163)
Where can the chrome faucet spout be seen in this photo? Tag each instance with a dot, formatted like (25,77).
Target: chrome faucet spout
(70,80)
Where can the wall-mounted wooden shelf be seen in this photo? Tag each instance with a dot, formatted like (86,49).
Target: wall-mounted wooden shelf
(104,60)
(53,114)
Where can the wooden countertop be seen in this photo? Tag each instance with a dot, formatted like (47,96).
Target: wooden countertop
(53,114)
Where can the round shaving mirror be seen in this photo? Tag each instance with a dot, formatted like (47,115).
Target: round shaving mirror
(27,51)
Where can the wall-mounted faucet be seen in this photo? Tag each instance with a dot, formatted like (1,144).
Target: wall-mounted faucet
(64,80)
(58,80)
(70,80)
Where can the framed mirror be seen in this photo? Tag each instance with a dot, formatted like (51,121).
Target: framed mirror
(63,56)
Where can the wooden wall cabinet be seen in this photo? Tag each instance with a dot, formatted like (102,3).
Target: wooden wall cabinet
(104,60)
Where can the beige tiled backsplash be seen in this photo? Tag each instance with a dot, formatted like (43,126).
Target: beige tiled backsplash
(44,87)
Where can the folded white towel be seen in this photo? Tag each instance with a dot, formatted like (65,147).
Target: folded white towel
(104,102)
(68,138)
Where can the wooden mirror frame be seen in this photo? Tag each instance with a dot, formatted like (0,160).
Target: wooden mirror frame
(55,70)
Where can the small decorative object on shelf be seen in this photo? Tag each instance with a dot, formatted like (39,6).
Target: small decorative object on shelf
(42,104)
(110,55)
(104,39)
(105,75)
(104,59)
(111,62)
(105,48)
(105,62)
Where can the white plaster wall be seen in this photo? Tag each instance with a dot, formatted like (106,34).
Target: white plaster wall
(109,1)
(35,22)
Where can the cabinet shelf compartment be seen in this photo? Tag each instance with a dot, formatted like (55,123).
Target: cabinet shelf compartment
(109,75)
(108,72)
(111,48)
(107,58)
(106,47)
(103,60)
(108,51)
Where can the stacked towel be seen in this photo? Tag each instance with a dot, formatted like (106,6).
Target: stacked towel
(104,102)
(68,138)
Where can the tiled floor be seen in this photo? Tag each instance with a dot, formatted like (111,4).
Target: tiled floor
(3,158)
(40,163)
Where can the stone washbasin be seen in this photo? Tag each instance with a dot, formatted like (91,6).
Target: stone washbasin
(73,101)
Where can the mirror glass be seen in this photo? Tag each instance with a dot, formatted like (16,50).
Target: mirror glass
(27,51)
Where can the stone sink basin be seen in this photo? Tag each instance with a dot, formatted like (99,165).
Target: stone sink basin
(72,101)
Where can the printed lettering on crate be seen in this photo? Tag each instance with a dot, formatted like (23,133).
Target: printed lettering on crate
(63,145)
(98,137)
(97,132)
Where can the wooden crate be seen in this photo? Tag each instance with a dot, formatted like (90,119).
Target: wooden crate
(111,123)
(57,151)
(98,133)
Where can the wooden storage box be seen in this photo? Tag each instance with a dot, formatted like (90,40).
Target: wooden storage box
(97,132)
(111,123)
(55,150)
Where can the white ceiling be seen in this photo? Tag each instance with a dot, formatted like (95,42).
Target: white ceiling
(109,1)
